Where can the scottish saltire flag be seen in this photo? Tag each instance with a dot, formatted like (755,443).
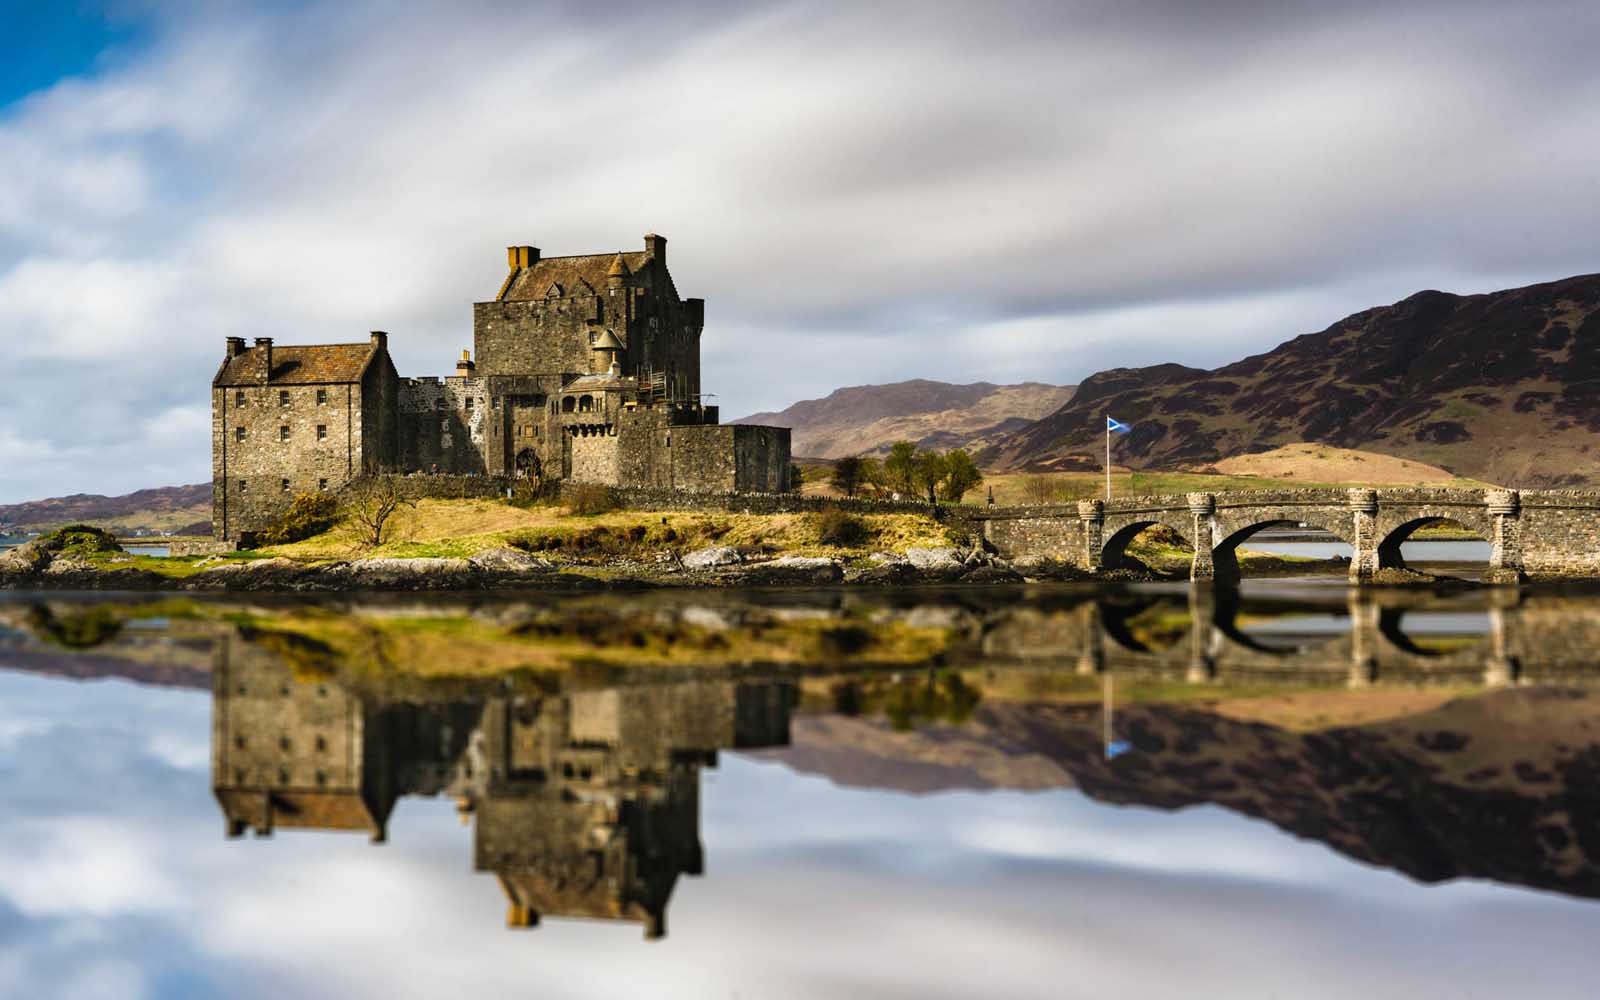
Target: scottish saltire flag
(1116,748)
(1117,426)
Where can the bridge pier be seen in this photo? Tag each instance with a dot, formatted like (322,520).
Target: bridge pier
(1502,668)
(1365,637)
(1092,515)
(1204,642)
(1364,559)
(1203,512)
(1505,552)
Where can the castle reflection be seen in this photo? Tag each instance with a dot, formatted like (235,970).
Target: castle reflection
(582,804)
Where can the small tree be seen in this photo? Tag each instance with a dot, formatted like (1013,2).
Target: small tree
(960,475)
(900,467)
(871,474)
(370,504)
(846,476)
(928,470)
(797,478)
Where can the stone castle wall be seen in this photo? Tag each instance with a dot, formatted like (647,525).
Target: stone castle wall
(301,447)
(444,424)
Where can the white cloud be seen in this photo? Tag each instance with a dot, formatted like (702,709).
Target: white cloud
(862,193)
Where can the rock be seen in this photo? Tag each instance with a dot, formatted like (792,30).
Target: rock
(791,570)
(934,559)
(24,560)
(406,574)
(886,559)
(711,619)
(509,560)
(992,574)
(716,555)
(937,616)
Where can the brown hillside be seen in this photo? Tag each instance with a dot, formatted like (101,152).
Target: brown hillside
(868,418)
(1502,387)
(165,508)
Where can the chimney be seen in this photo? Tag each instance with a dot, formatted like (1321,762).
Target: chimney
(465,367)
(380,340)
(235,346)
(517,257)
(656,246)
(263,364)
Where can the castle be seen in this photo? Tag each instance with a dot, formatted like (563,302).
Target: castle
(583,368)
(583,803)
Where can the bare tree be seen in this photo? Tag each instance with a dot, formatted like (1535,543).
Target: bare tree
(370,504)
(1039,490)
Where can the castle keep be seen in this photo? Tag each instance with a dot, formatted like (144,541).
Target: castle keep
(583,368)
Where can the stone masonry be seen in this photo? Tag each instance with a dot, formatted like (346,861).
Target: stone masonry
(1548,534)
(587,370)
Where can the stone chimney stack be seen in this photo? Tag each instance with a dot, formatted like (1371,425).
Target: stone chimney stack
(263,365)
(517,257)
(235,346)
(656,246)
(380,340)
(465,367)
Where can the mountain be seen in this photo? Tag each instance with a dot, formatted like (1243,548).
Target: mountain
(1502,387)
(866,418)
(1496,786)
(177,509)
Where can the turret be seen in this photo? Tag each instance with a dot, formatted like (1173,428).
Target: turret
(617,274)
(606,348)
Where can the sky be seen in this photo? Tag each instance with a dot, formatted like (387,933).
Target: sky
(862,192)
(117,883)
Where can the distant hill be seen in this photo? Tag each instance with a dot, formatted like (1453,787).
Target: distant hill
(1502,387)
(177,509)
(867,418)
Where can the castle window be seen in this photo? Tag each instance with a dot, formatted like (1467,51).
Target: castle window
(439,403)
(322,432)
(494,402)
(568,404)
(469,404)
(238,397)
(593,337)
(322,397)
(243,483)
(238,433)
(322,484)
(283,432)
(283,397)
(585,404)
(285,485)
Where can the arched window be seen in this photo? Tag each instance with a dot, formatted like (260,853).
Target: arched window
(568,404)
(585,404)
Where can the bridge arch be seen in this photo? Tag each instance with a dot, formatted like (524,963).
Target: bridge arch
(1398,532)
(1120,532)
(1237,528)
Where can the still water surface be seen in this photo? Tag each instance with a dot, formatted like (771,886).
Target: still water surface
(803,794)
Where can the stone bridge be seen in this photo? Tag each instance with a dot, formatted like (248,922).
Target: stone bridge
(1532,534)
(1547,640)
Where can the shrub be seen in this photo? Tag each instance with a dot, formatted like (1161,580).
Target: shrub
(835,527)
(81,539)
(590,498)
(309,514)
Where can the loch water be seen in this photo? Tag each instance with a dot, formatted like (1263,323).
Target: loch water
(1294,790)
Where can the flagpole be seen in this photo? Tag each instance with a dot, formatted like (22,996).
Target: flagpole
(1108,458)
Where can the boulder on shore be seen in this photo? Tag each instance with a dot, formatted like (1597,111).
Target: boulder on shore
(713,556)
